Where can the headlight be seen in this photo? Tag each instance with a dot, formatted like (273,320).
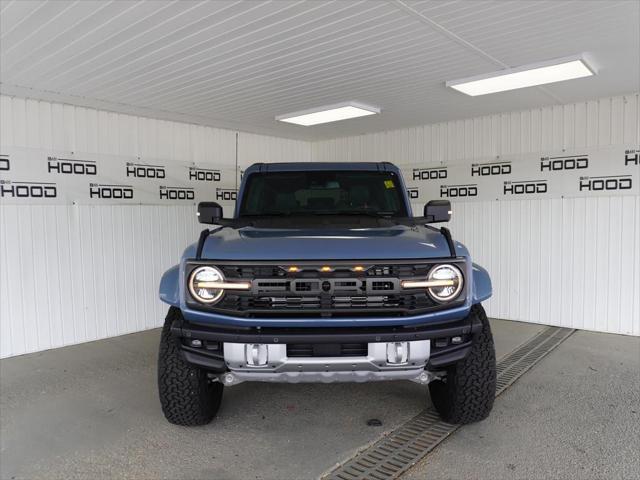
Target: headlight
(204,283)
(446,281)
(207,285)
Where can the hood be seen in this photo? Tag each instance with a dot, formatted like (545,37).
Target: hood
(394,242)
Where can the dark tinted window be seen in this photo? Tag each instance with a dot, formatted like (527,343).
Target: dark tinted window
(323,193)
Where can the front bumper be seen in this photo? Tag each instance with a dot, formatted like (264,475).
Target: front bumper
(222,350)
(279,367)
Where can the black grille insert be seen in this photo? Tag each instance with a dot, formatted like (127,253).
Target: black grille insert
(327,350)
(381,285)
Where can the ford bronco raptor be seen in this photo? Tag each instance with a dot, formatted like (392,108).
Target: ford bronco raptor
(324,275)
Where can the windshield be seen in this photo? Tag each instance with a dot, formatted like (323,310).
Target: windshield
(323,193)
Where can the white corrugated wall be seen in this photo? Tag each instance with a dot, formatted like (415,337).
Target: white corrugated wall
(573,262)
(75,273)
(70,274)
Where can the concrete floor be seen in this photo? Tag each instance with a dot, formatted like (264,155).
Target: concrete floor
(576,414)
(91,411)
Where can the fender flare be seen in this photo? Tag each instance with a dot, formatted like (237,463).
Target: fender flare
(170,286)
(482,288)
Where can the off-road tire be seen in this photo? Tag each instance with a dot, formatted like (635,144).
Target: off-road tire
(467,392)
(188,397)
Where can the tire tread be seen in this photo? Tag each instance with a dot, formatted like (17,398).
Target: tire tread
(187,395)
(469,391)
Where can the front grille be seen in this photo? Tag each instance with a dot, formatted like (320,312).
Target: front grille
(401,270)
(252,271)
(342,292)
(307,286)
(335,306)
(381,286)
(327,350)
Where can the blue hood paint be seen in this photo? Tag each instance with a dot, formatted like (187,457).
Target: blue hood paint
(397,242)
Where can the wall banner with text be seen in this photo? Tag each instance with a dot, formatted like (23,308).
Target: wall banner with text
(34,176)
(584,172)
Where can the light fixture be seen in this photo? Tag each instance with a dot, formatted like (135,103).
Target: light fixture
(444,293)
(207,285)
(443,283)
(542,73)
(328,114)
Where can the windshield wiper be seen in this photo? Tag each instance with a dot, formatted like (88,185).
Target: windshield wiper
(371,213)
(354,213)
(268,214)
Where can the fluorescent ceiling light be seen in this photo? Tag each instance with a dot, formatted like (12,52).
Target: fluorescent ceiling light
(526,76)
(330,113)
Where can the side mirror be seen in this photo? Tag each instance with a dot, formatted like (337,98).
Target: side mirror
(437,211)
(209,212)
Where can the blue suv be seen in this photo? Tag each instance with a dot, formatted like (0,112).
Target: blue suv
(324,275)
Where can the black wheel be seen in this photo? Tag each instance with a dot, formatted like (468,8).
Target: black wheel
(467,392)
(187,396)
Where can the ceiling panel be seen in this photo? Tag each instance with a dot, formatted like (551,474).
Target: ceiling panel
(253,52)
(238,64)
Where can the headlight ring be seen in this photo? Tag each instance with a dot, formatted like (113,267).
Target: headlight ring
(447,274)
(198,288)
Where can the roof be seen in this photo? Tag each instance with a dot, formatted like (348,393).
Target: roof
(319,166)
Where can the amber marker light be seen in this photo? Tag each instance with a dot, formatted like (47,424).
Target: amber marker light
(293,269)
(358,268)
(325,269)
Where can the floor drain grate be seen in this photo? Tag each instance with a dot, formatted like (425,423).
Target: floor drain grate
(402,448)
(515,364)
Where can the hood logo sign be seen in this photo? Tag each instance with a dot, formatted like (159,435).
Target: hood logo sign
(227,194)
(140,170)
(434,173)
(27,189)
(176,193)
(118,192)
(70,166)
(454,191)
(612,182)
(554,164)
(526,187)
(204,174)
(492,168)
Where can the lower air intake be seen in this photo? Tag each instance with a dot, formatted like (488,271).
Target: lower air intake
(327,350)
